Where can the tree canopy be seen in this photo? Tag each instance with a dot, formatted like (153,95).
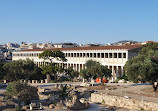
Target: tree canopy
(144,67)
(95,70)
(71,73)
(21,69)
(23,92)
(50,55)
(1,71)
(51,67)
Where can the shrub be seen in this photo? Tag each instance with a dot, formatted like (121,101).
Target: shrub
(23,92)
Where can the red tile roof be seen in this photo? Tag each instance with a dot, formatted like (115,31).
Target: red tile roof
(128,47)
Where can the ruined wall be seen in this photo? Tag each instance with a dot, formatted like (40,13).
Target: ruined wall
(123,102)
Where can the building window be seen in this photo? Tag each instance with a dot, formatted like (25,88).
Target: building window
(80,54)
(119,55)
(115,55)
(74,54)
(94,55)
(87,54)
(102,55)
(124,55)
(71,54)
(77,54)
(110,55)
(84,55)
(106,55)
(98,55)
(91,55)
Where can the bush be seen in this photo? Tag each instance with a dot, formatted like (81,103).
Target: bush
(19,109)
(23,92)
(123,77)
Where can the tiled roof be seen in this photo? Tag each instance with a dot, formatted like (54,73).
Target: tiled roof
(127,47)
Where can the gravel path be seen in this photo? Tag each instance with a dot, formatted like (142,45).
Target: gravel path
(130,90)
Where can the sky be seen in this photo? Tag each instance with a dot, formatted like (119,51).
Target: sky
(79,21)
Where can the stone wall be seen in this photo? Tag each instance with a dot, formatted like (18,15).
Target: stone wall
(123,102)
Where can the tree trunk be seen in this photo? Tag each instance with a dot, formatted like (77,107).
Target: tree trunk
(55,76)
(48,78)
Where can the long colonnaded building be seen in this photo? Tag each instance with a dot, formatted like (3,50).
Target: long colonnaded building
(114,57)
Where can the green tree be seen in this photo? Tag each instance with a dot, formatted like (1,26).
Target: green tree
(51,67)
(72,73)
(52,55)
(104,72)
(95,70)
(148,48)
(23,92)
(20,69)
(144,67)
(1,71)
(48,70)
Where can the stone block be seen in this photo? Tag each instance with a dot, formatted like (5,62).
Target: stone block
(51,106)
(29,81)
(33,81)
(5,81)
(46,81)
(42,81)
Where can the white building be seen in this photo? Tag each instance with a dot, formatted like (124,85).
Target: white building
(65,45)
(27,46)
(12,46)
(114,57)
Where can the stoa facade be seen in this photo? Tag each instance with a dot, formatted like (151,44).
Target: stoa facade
(114,57)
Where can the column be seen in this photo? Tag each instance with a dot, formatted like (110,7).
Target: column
(108,67)
(108,56)
(79,67)
(113,74)
(71,65)
(117,71)
(122,71)
(117,56)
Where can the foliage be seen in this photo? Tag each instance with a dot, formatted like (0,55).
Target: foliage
(63,78)
(51,67)
(144,67)
(37,74)
(72,73)
(124,77)
(148,48)
(65,93)
(23,92)
(2,74)
(141,68)
(50,55)
(19,109)
(84,73)
(20,69)
(95,70)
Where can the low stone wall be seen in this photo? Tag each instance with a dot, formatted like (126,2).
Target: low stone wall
(123,102)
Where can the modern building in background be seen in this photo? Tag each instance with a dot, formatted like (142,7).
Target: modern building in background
(114,57)
(65,45)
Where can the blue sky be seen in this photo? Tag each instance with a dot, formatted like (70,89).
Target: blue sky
(80,21)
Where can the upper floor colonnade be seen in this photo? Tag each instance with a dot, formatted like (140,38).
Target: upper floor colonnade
(79,55)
